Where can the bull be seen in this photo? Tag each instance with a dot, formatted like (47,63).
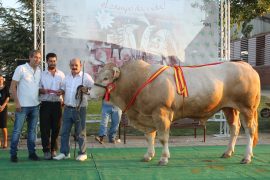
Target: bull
(233,87)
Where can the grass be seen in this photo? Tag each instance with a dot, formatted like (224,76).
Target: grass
(94,107)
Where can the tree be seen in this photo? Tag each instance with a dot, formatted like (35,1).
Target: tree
(16,35)
(243,11)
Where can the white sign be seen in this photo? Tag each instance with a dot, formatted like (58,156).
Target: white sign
(157,31)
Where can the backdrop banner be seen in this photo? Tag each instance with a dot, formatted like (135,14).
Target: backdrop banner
(158,31)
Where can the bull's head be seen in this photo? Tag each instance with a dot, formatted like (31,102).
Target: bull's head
(104,82)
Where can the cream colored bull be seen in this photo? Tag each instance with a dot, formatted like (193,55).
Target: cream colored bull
(233,87)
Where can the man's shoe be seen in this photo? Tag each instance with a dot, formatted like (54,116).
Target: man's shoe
(34,157)
(47,156)
(61,156)
(14,159)
(81,157)
(99,139)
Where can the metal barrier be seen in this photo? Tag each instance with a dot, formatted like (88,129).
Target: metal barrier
(93,118)
(224,130)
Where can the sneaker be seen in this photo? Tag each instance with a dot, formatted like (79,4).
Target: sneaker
(14,159)
(34,157)
(47,156)
(53,153)
(81,157)
(99,139)
(61,156)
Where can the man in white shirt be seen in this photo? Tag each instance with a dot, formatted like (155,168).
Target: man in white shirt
(50,108)
(74,110)
(24,89)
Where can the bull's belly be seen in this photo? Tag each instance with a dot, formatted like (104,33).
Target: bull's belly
(195,113)
(142,122)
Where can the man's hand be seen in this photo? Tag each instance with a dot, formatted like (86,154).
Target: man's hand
(84,90)
(59,92)
(18,107)
(43,91)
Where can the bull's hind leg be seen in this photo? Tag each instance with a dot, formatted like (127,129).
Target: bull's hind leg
(250,124)
(232,117)
(150,138)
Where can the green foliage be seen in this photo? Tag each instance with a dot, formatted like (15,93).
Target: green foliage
(16,35)
(243,11)
(94,107)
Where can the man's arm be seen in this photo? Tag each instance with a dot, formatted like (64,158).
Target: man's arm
(13,90)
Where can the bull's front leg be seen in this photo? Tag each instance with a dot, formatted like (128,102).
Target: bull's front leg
(164,139)
(163,117)
(150,138)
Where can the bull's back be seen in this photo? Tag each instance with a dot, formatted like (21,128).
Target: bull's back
(224,85)
(210,88)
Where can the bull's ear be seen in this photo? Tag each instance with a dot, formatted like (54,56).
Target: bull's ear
(116,73)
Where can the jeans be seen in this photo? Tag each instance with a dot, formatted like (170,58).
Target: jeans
(72,116)
(31,115)
(109,112)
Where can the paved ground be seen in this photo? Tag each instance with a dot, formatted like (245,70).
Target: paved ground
(211,140)
(139,141)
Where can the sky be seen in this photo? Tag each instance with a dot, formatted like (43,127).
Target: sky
(10,3)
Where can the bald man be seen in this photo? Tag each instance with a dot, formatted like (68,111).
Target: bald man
(74,110)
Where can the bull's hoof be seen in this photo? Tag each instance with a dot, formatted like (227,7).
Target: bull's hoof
(162,163)
(146,159)
(245,161)
(224,155)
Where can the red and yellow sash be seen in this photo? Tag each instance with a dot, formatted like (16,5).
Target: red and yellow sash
(179,77)
(153,77)
(180,81)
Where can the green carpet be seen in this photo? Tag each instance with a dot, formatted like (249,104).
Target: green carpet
(125,163)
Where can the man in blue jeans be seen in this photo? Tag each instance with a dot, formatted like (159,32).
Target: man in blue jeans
(113,113)
(74,110)
(24,89)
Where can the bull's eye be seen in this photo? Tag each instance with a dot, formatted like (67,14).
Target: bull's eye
(105,79)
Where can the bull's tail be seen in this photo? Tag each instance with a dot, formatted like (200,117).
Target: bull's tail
(256,136)
(255,119)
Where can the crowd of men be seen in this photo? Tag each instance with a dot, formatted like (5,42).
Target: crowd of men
(42,95)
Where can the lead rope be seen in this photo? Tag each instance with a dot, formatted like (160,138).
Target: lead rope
(79,94)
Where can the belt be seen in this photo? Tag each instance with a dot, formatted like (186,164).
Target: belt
(71,107)
(50,102)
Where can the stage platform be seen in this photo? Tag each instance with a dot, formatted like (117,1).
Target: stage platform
(186,162)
